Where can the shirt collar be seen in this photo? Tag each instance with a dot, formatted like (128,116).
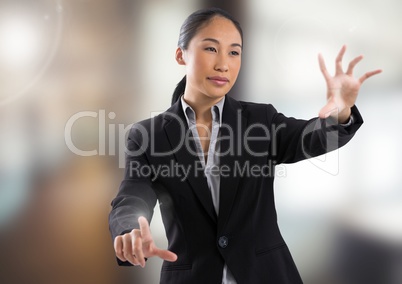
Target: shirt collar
(218,106)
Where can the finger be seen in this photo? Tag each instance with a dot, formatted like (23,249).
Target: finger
(369,74)
(118,248)
(338,61)
(166,255)
(145,231)
(323,68)
(352,64)
(128,249)
(137,247)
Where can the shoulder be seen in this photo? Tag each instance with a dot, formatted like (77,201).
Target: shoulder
(258,107)
(156,124)
(254,109)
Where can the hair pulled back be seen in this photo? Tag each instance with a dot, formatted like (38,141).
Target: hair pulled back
(189,29)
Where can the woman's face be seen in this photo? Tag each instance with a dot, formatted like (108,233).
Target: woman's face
(212,59)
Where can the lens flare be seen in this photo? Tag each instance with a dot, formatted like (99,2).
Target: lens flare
(29,39)
(19,41)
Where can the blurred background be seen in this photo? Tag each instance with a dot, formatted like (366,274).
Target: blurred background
(75,74)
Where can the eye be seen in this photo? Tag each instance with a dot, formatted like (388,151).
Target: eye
(234,53)
(212,49)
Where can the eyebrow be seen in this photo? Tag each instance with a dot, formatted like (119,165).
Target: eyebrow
(217,42)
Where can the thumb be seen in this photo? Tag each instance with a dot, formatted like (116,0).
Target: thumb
(166,255)
(330,109)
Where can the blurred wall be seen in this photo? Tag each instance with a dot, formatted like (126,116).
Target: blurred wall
(114,60)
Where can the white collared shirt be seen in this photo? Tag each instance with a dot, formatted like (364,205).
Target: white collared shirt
(213,160)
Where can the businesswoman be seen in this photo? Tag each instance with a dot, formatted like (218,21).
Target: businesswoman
(208,160)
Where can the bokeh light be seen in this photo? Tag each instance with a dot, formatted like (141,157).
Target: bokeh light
(61,58)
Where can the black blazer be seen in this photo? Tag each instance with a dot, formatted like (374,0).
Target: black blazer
(245,235)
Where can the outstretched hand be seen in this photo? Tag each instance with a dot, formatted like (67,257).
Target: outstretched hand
(138,245)
(342,88)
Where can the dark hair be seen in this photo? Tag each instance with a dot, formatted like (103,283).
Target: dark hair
(190,28)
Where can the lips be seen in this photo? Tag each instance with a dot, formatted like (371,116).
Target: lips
(219,80)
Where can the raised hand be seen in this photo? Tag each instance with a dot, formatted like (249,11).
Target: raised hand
(138,245)
(342,88)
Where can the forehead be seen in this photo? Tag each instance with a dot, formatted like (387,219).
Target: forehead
(221,29)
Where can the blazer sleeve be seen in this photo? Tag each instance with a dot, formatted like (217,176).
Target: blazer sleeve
(136,196)
(294,140)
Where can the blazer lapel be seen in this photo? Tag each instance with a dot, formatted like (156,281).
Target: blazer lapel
(231,137)
(176,130)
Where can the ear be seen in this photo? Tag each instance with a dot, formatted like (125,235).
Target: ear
(180,56)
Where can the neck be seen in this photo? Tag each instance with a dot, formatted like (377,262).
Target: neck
(202,105)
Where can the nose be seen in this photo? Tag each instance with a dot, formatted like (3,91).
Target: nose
(221,64)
